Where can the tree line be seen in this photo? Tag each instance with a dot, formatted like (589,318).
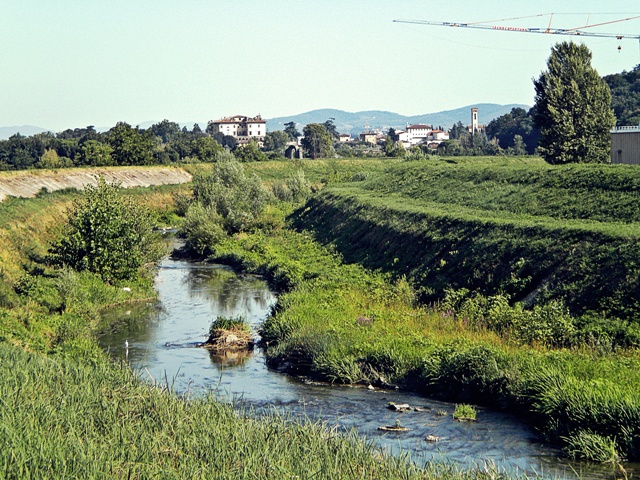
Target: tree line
(574,110)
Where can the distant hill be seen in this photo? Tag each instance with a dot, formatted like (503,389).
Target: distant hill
(354,123)
(24,130)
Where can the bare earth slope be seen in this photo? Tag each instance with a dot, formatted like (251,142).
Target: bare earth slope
(27,183)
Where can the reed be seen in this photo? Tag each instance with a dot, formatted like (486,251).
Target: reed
(65,419)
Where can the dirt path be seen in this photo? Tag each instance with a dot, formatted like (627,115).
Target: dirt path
(28,183)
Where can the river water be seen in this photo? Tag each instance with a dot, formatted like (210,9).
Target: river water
(162,339)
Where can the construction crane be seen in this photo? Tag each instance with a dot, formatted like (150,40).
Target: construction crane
(577,31)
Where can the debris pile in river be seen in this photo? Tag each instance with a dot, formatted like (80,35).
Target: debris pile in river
(229,334)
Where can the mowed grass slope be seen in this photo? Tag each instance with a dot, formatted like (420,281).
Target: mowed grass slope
(531,231)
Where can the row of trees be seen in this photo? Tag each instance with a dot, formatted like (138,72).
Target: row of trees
(162,143)
(123,144)
(569,122)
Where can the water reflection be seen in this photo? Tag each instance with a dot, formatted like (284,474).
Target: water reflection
(230,359)
(228,292)
(162,339)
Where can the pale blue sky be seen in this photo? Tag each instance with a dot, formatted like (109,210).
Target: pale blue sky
(73,63)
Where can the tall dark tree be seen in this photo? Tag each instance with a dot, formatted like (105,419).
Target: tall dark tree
(291,130)
(573,108)
(317,142)
(331,128)
(276,141)
(458,130)
(196,131)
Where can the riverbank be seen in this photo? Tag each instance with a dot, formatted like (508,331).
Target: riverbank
(70,412)
(342,323)
(433,226)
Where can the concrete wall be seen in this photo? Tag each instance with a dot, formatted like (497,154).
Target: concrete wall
(27,183)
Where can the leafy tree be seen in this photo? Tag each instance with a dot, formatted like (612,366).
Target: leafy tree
(228,141)
(96,154)
(205,148)
(519,147)
(249,153)
(393,149)
(276,141)
(108,235)
(291,130)
(83,134)
(451,147)
(50,159)
(317,142)
(131,146)
(573,108)
(165,129)
(625,93)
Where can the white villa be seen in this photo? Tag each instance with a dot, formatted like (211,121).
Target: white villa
(241,128)
(417,134)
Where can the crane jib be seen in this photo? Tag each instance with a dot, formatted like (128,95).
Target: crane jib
(553,31)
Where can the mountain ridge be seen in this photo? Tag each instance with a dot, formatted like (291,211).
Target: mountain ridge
(356,122)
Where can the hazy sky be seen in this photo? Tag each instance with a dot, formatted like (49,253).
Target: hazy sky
(73,63)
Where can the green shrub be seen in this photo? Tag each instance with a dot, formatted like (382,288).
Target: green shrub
(202,227)
(473,371)
(108,234)
(237,198)
(40,290)
(464,412)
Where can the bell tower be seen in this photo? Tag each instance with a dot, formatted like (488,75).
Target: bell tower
(474,119)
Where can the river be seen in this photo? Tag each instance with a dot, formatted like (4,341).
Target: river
(162,340)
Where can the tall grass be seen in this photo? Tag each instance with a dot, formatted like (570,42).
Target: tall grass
(62,419)
(588,266)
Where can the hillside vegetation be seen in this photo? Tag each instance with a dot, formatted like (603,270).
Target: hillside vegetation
(525,229)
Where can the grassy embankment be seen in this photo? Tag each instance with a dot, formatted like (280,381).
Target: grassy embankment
(516,229)
(67,412)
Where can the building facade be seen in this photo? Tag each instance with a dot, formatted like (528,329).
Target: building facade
(242,128)
(625,145)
